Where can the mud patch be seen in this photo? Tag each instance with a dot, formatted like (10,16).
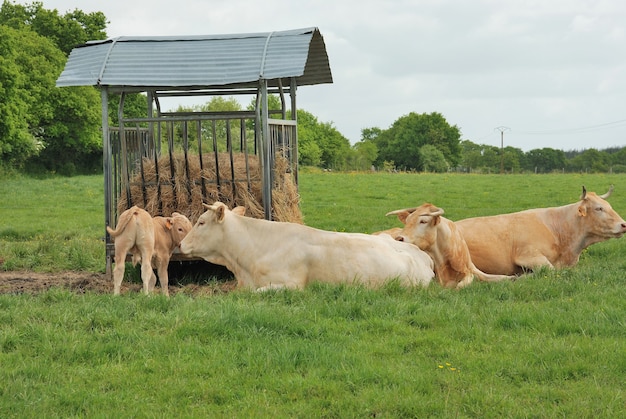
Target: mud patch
(26,282)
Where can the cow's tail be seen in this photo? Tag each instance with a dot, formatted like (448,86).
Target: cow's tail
(123,222)
(491,277)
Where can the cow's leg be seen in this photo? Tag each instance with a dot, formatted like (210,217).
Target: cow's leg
(272,287)
(121,249)
(152,282)
(163,277)
(278,285)
(467,280)
(146,269)
(532,262)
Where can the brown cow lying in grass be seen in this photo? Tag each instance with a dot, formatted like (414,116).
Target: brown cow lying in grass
(438,236)
(151,241)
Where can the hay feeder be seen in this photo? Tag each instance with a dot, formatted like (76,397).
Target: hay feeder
(175,161)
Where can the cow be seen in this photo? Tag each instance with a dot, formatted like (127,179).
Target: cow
(393,231)
(516,243)
(265,255)
(151,241)
(438,236)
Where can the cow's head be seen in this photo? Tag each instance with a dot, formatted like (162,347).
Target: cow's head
(598,217)
(419,225)
(207,234)
(179,226)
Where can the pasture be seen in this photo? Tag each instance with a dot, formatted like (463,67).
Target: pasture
(548,345)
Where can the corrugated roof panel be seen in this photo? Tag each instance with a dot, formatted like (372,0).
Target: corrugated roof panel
(199,61)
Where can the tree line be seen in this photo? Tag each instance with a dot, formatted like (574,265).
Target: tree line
(45,129)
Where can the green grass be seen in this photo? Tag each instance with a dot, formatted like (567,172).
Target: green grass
(52,224)
(547,345)
(358,202)
(551,345)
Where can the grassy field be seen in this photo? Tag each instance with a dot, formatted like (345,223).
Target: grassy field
(547,345)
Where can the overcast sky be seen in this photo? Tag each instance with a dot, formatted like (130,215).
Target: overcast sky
(546,73)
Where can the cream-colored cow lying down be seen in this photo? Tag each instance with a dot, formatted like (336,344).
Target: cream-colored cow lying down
(149,240)
(268,254)
(438,236)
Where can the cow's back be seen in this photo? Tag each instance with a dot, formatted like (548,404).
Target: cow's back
(367,258)
(496,242)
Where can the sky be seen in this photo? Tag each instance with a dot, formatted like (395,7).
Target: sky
(522,73)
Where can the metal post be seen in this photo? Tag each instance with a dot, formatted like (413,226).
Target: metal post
(108,176)
(265,148)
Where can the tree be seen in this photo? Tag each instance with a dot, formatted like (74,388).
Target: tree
(135,106)
(545,160)
(592,161)
(67,31)
(334,148)
(471,155)
(365,153)
(17,142)
(370,134)
(61,124)
(513,159)
(403,140)
(618,161)
(432,159)
(218,128)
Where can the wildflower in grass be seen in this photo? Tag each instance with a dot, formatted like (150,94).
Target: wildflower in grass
(448,366)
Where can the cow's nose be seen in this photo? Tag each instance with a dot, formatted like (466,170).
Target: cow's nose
(400,238)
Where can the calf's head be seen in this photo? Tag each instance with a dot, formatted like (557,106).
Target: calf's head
(179,227)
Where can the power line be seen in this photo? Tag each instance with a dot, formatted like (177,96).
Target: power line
(560,131)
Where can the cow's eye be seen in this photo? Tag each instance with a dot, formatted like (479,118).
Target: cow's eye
(599,209)
(200,222)
(423,222)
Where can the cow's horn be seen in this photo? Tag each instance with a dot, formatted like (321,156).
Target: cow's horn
(606,195)
(396,212)
(584,194)
(436,213)
(412,210)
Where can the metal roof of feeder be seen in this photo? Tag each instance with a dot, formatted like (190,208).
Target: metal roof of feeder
(144,63)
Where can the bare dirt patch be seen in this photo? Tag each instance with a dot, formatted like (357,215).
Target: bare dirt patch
(26,282)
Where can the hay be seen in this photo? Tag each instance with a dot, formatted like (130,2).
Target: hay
(185,194)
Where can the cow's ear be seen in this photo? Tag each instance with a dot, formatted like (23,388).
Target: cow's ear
(436,220)
(240,210)
(220,212)
(169,223)
(582,210)
(402,216)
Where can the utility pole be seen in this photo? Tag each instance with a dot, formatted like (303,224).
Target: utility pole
(502,129)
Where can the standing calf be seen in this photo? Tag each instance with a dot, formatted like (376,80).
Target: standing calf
(149,240)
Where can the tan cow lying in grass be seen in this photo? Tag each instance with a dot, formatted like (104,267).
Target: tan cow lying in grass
(553,237)
(438,236)
(268,254)
(151,241)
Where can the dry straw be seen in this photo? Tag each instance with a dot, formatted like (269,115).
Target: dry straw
(190,186)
